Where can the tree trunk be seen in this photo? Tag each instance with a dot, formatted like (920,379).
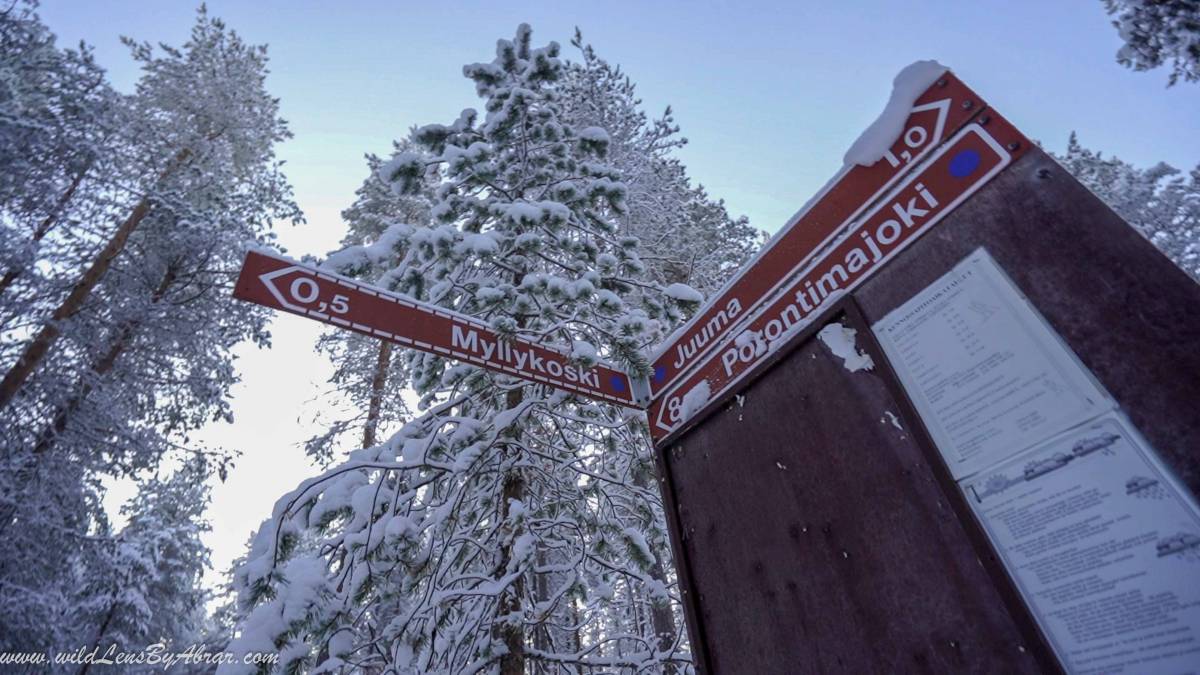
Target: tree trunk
(43,227)
(512,634)
(378,382)
(112,609)
(576,639)
(662,618)
(99,368)
(541,593)
(35,352)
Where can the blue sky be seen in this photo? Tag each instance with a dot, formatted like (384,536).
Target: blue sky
(769,94)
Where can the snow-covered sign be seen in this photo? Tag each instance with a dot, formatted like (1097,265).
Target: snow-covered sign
(949,176)
(942,105)
(293,287)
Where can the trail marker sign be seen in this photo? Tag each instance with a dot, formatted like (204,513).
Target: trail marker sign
(954,171)
(301,289)
(937,114)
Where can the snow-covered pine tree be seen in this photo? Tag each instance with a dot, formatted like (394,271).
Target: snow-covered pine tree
(1156,32)
(368,378)
(131,350)
(55,116)
(689,237)
(1160,202)
(54,110)
(143,586)
(484,535)
(201,120)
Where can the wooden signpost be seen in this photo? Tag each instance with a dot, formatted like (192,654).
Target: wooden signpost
(937,114)
(956,170)
(944,422)
(282,284)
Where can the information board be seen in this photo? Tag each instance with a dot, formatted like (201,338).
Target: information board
(1104,546)
(986,373)
(1100,540)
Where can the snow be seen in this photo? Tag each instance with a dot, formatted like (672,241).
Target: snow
(400,164)
(753,337)
(638,540)
(481,244)
(694,400)
(516,510)
(522,549)
(683,293)
(840,341)
(883,132)
(595,134)
(609,300)
(341,643)
(489,294)
(400,527)
(584,351)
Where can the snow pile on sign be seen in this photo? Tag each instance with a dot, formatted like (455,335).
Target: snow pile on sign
(883,132)
(751,337)
(840,341)
(694,400)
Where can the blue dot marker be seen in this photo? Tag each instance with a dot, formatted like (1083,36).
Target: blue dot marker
(964,163)
(618,383)
(659,373)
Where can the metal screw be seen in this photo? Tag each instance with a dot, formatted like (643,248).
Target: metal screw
(942,82)
(968,104)
(984,119)
(1013,146)
(1043,173)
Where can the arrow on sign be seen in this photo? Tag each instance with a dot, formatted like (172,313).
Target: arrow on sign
(283,284)
(955,171)
(937,114)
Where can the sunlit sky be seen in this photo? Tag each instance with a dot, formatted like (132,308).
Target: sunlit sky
(769,94)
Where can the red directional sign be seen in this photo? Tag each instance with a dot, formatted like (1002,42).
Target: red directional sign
(301,289)
(953,173)
(936,115)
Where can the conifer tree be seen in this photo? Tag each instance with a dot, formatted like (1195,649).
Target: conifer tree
(1160,202)
(1156,32)
(144,586)
(368,375)
(199,127)
(118,324)
(688,237)
(484,535)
